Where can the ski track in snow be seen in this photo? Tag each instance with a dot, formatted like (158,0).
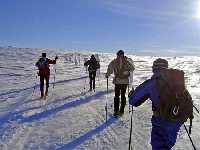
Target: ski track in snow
(71,117)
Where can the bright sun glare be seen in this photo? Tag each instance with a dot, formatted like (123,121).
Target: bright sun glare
(198,9)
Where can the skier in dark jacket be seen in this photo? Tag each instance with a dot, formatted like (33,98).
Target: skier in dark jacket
(164,132)
(44,72)
(93,66)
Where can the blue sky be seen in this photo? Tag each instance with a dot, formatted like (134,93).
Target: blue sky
(158,26)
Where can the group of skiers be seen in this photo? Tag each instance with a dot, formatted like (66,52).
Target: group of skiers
(172,104)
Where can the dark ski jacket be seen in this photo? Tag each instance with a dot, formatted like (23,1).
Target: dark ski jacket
(93,64)
(43,66)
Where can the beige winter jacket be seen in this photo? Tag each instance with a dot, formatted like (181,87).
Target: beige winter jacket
(121,70)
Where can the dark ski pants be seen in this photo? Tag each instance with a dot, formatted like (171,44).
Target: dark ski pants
(42,78)
(92,76)
(163,134)
(120,89)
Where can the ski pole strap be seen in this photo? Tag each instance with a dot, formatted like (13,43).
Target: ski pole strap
(131,128)
(189,137)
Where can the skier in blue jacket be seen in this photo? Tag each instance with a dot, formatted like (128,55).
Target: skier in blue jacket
(164,133)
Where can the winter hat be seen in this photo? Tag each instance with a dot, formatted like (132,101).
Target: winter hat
(120,52)
(44,54)
(160,64)
(93,57)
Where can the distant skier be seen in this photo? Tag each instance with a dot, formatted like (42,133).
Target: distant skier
(44,72)
(171,103)
(121,68)
(93,66)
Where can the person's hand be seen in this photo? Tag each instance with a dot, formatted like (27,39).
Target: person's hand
(131,92)
(106,75)
(56,57)
(126,73)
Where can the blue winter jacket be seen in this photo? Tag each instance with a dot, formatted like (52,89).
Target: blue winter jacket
(164,133)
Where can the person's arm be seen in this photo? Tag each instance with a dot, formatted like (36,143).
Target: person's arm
(130,64)
(37,63)
(52,61)
(87,63)
(141,93)
(131,67)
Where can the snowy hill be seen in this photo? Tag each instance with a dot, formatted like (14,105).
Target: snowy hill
(72,117)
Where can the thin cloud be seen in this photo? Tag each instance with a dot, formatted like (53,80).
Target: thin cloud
(139,10)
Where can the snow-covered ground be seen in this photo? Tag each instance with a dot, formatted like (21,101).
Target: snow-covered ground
(72,117)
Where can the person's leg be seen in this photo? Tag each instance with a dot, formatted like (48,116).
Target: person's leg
(42,85)
(164,134)
(94,75)
(116,98)
(123,97)
(157,135)
(171,129)
(90,76)
(47,85)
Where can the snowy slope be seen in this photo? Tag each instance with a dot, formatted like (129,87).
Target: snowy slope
(72,117)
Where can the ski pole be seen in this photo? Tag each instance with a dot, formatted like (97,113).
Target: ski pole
(196,109)
(189,137)
(106,107)
(34,86)
(55,71)
(85,83)
(129,106)
(131,128)
(85,79)
(54,78)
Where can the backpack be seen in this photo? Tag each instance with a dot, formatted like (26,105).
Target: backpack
(43,66)
(43,63)
(175,101)
(93,65)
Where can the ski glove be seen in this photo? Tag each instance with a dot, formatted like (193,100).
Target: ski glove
(106,75)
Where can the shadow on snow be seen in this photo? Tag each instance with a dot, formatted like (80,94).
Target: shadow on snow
(78,141)
(7,121)
(72,104)
(15,116)
(36,86)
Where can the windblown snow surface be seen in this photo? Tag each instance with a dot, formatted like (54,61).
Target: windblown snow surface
(71,117)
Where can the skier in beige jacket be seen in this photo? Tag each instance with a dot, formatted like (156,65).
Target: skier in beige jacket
(121,68)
